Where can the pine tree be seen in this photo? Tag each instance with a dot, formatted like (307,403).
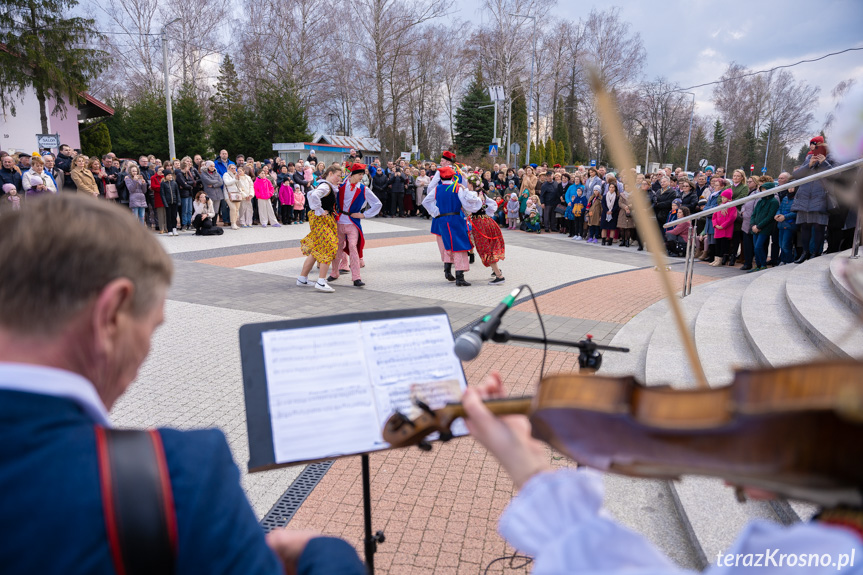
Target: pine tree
(533,152)
(474,126)
(45,51)
(189,128)
(541,154)
(95,139)
(560,133)
(717,150)
(750,143)
(519,120)
(277,116)
(140,126)
(229,128)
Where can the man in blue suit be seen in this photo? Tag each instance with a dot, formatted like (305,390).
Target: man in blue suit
(77,312)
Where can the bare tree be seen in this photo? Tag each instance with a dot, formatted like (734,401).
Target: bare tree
(666,115)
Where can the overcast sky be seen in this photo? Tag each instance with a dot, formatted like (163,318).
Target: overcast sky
(692,41)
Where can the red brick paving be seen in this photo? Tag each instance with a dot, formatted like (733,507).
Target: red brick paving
(438,510)
(614,298)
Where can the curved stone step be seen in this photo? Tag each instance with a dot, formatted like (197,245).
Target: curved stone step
(635,335)
(840,285)
(666,362)
(773,333)
(722,345)
(821,313)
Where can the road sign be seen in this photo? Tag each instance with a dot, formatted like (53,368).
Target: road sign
(492,150)
(751,167)
(703,163)
(764,170)
(593,163)
(515,148)
(44,141)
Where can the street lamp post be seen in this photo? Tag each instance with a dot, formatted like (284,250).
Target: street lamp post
(689,139)
(530,98)
(171,148)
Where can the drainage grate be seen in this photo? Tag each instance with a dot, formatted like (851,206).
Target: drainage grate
(283,510)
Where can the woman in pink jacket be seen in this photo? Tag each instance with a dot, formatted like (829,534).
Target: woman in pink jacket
(264,192)
(723,226)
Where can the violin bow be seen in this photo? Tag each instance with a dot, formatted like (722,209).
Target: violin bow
(647,230)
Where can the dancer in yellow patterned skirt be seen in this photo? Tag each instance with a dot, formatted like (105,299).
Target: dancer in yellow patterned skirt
(323,241)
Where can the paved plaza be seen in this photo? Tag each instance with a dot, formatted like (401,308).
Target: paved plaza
(439,509)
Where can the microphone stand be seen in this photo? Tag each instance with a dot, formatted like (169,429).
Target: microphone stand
(589,358)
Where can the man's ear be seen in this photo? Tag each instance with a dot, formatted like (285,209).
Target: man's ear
(113,301)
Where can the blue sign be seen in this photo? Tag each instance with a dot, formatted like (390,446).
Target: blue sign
(764,170)
(593,163)
(492,150)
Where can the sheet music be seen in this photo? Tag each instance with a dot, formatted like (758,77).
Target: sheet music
(319,392)
(331,388)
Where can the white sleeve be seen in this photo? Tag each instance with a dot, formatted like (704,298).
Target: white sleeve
(490,207)
(435,180)
(558,519)
(469,200)
(429,202)
(315,197)
(374,203)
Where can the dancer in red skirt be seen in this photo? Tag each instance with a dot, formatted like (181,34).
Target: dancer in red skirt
(485,233)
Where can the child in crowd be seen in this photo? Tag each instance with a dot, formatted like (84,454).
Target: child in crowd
(512,209)
(676,237)
(594,215)
(299,206)
(575,208)
(723,226)
(33,183)
(286,201)
(13,200)
(522,201)
(532,218)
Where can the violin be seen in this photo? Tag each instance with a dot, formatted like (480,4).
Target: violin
(795,431)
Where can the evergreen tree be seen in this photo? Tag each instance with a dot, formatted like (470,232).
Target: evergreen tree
(140,126)
(533,152)
(189,129)
(519,120)
(717,150)
(541,155)
(560,133)
(474,125)
(801,155)
(95,139)
(45,51)
(750,143)
(277,116)
(229,129)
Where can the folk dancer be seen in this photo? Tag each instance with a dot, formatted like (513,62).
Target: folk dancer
(351,197)
(323,240)
(485,232)
(444,203)
(448,159)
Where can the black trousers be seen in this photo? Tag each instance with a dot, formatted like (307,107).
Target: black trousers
(286,213)
(812,233)
(748,249)
(397,204)
(171,216)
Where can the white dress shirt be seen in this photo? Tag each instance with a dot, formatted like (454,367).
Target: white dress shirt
(372,200)
(558,519)
(469,200)
(55,382)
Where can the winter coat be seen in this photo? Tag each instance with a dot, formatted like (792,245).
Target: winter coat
(624,221)
(594,211)
(725,220)
(529,183)
(11,176)
(614,211)
(811,197)
(230,185)
(213,185)
(246,186)
(747,209)
(763,215)
(85,181)
(299,200)
(137,192)
(690,201)
(712,202)
(186,183)
(681,230)
(785,210)
(662,206)
(286,194)
(263,188)
(170,193)
(548,194)
(397,183)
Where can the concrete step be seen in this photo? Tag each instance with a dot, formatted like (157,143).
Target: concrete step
(635,335)
(666,362)
(825,318)
(722,345)
(773,333)
(840,285)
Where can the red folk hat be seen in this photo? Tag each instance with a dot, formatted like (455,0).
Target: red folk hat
(358,168)
(447,155)
(446,173)
(556,166)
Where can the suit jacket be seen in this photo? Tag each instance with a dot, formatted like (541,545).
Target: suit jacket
(49,479)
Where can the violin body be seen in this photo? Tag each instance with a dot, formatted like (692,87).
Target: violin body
(796,431)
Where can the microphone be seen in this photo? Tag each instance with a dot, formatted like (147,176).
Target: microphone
(468,345)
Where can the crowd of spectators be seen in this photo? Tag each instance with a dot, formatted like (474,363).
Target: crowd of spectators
(585,203)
